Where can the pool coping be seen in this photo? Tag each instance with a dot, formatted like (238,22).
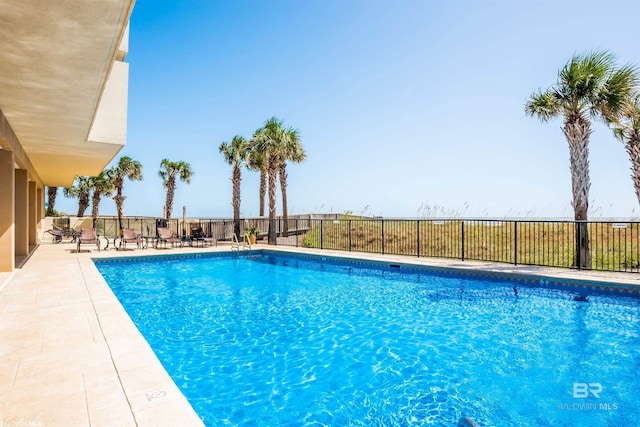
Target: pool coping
(492,271)
(58,308)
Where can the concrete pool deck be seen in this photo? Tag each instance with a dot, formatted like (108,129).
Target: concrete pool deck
(70,355)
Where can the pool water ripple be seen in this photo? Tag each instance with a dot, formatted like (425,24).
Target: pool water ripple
(255,342)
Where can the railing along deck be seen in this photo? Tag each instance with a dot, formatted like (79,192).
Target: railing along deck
(596,245)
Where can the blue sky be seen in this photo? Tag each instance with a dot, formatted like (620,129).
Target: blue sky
(405,108)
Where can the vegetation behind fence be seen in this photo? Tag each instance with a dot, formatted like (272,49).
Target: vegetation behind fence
(613,246)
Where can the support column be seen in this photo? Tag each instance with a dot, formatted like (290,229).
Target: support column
(7,212)
(22,212)
(40,205)
(33,220)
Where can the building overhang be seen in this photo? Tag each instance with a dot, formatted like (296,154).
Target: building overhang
(63,85)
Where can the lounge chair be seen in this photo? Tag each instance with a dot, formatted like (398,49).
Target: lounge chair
(240,245)
(88,236)
(198,236)
(165,236)
(129,236)
(60,233)
(57,235)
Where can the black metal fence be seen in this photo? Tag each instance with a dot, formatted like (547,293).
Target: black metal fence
(609,246)
(62,223)
(147,226)
(221,229)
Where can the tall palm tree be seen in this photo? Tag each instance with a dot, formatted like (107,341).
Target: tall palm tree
(627,130)
(168,172)
(270,140)
(126,168)
(82,190)
(101,185)
(52,193)
(235,154)
(293,152)
(589,86)
(257,161)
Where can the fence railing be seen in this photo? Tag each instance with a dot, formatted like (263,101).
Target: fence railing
(597,245)
(221,229)
(609,246)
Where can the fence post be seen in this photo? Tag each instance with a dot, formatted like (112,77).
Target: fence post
(382,232)
(349,235)
(297,230)
(418,238)
(515,243)
(321,246)
(462,222)
(579,244)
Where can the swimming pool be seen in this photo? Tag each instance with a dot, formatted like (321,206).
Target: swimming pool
(273,339)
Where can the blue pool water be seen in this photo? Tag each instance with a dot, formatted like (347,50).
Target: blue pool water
(271,340)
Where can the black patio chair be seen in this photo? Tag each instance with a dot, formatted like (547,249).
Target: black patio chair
(199,236)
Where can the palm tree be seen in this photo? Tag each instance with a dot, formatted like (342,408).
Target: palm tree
(235,155)
(257,161)
(52,193)
(168,172)
(126,168)
(81,190)
(627,129)
(101,186)
(588,86)
(270,140)
(293,152)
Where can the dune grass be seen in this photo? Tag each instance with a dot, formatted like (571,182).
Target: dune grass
(614,246)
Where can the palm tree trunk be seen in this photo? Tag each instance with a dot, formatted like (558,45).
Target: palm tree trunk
(263,189)
(272,202)
(171,185)
(52,192)
(83,204)
(95,206)
(633,148)
(577,131)
(236,200)
(283,189)
(119,199)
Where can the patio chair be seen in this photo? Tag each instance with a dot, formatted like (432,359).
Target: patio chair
(129,236)
(198,235)
(56,234)
(88,236)
(68,232)
(60,233)
(165,236)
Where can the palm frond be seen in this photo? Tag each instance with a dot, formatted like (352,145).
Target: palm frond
(102,184)
(225,150)
(627,124)
(543,105)
(616,93)
(619,133)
